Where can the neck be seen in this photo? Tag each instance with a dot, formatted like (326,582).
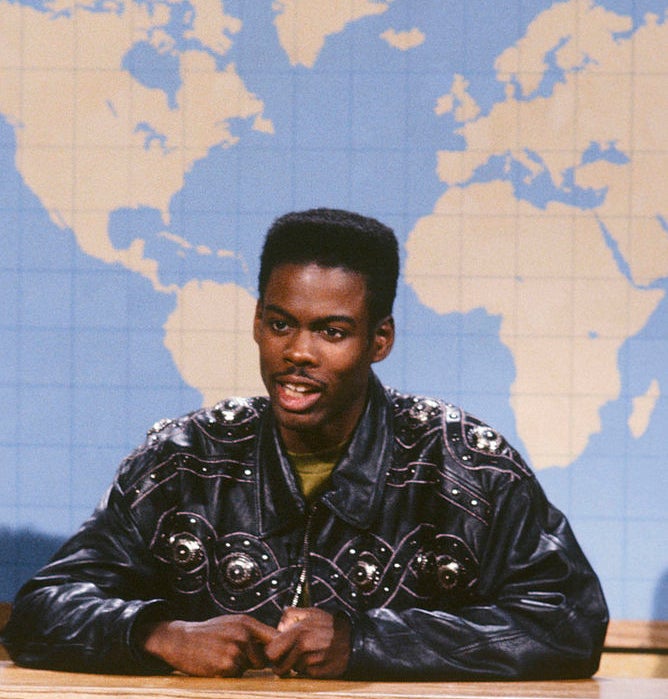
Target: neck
(312,442)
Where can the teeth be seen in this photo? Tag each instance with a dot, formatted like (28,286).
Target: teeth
(297,388)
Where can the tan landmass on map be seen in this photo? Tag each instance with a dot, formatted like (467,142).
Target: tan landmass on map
(565,304)
(209,335)
(403,40)
(90,138)
(304,25)
(643,407)
(458,101)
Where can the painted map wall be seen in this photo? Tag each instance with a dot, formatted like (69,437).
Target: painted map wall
(520,151)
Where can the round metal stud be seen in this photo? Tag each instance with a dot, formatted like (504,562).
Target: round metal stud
(448,574)
(239,570)
(486,439)
(186,551)
(365,575)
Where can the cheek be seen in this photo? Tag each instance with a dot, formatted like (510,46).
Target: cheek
(350,366)
(266,362)
(267,346)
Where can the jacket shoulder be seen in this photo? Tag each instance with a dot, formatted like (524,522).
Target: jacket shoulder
(222,429)
(231,417)
(466,440)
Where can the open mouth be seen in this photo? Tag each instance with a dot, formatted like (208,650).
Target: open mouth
(296,396)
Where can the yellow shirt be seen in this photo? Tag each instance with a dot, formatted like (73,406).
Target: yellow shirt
(313,470)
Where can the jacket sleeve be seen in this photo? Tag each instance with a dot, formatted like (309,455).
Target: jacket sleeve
(80,612)
(540,612)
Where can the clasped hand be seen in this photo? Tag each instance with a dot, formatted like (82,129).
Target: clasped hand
(308,641)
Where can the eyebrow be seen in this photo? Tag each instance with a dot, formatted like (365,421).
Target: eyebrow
(320,321)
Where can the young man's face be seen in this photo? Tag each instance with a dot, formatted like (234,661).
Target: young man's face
(316,349)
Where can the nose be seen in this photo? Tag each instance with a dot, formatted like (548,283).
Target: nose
(299,349)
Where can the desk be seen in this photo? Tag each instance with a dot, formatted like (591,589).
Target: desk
(19,683)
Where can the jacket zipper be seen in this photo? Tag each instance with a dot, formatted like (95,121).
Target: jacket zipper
(306,547)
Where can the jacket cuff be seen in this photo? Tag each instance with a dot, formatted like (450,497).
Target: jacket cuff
(151,613)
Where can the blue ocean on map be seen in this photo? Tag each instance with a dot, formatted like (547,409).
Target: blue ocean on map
(84,369)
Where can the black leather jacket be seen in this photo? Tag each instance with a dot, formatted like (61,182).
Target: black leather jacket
(435,539)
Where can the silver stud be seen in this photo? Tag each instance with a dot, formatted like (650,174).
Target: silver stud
(449,574)
(365,575)
(239,570)
(486,439)
(186,551)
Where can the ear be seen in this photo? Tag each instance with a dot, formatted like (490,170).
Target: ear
(383,339)
(257,321)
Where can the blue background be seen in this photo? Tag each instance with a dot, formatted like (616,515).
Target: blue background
(83,366)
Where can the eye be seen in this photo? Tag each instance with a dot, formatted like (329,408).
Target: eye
(332,333)
(278,326)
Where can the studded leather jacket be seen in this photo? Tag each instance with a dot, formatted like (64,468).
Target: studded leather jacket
(434,539)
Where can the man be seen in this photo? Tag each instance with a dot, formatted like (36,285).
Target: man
(335,529)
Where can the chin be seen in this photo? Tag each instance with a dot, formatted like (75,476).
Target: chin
(297,422)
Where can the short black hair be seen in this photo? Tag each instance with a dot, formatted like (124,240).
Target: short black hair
(336,238)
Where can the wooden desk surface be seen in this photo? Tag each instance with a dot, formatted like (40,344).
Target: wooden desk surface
(19,683)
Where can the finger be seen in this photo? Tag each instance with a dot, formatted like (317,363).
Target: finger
(291,616)
(284,651)
(236,662)
(279,646)
(255,656)
(308,664)
(260,632)
(292,660)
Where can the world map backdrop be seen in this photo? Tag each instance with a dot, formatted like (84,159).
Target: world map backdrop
(519,150)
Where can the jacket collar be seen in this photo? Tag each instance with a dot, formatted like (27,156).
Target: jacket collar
(358,479)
